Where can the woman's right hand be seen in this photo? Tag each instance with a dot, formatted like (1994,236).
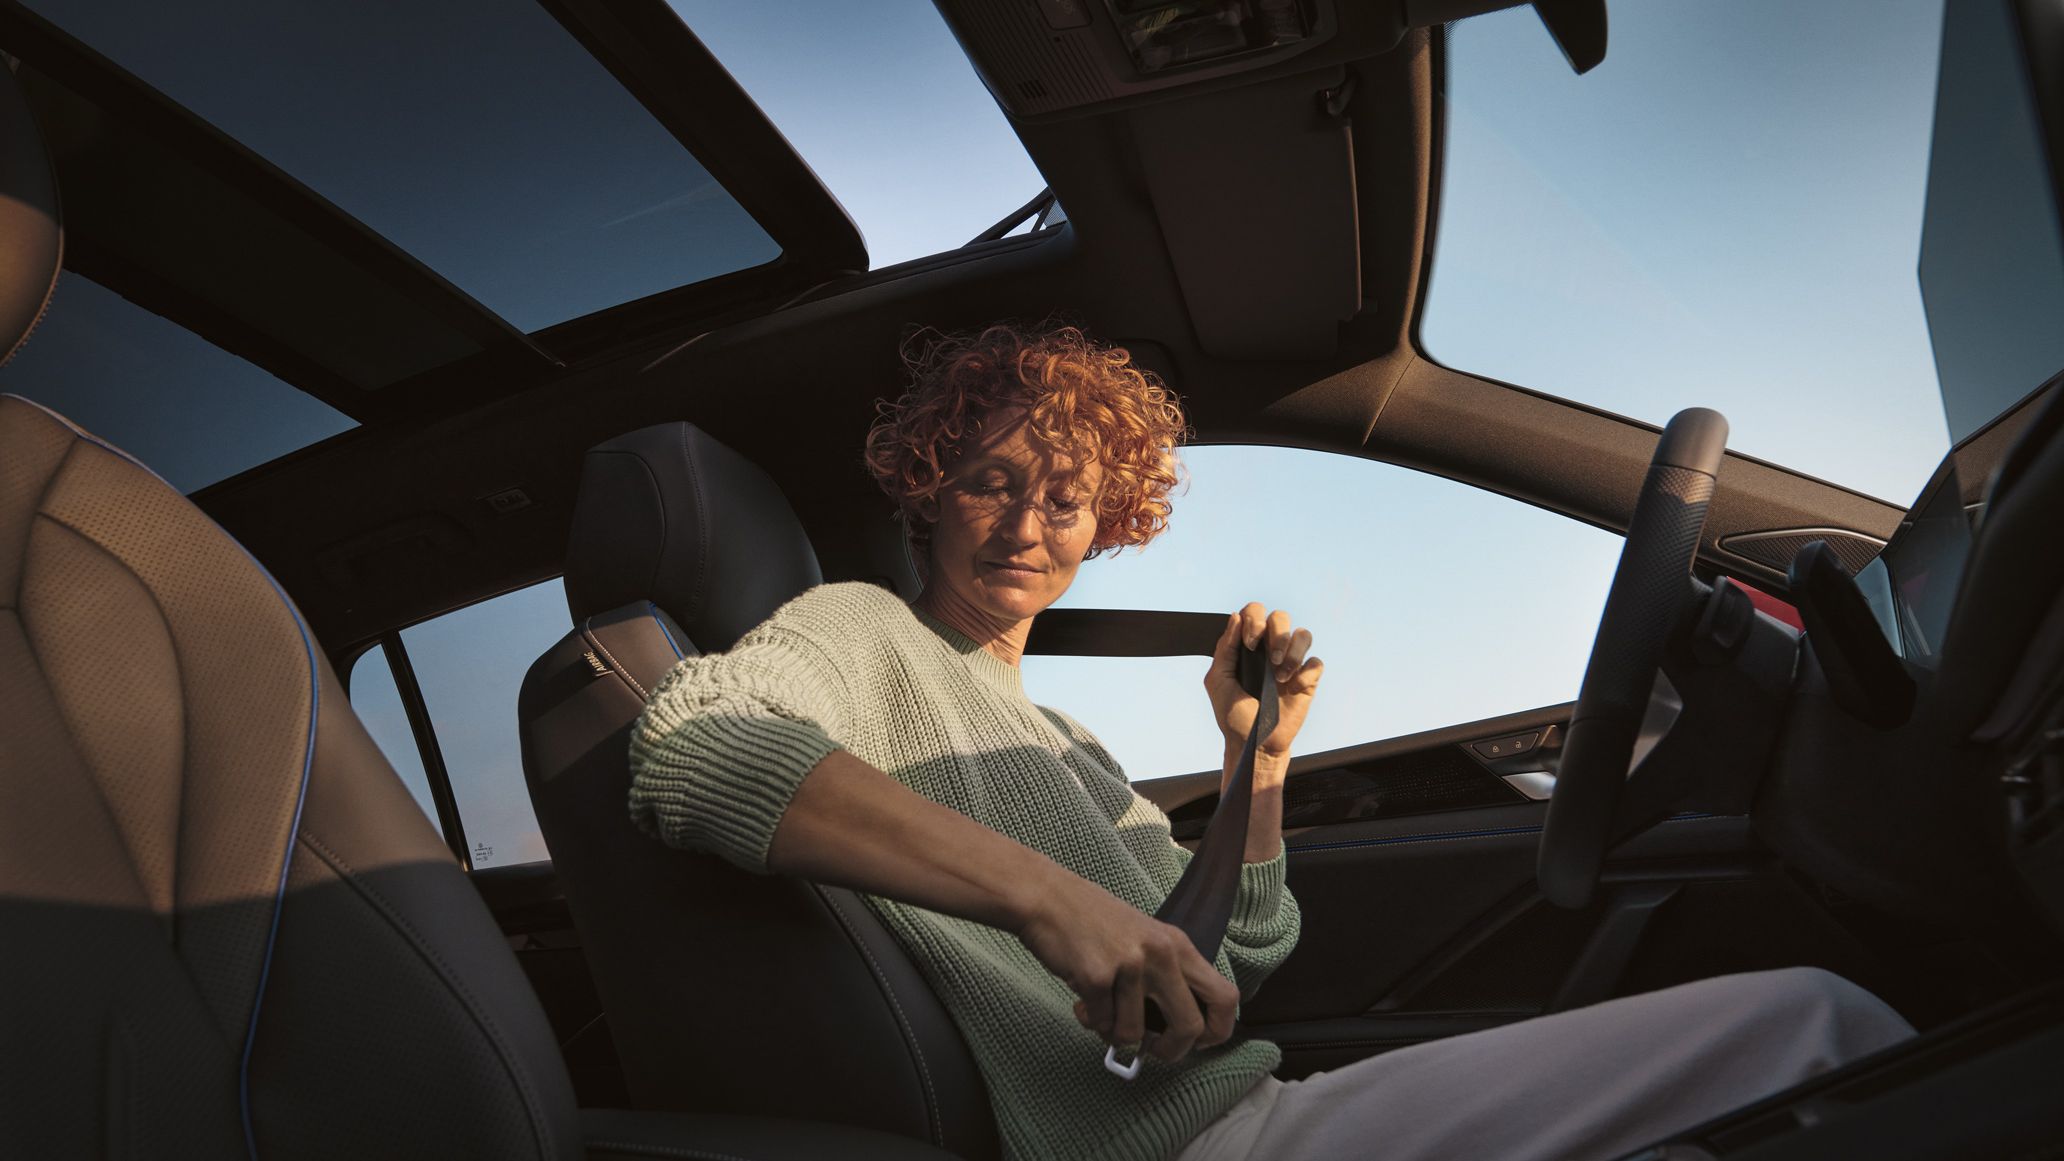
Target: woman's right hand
(1116,957)
(851,825)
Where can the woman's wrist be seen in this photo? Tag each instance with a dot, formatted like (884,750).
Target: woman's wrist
(1268,768)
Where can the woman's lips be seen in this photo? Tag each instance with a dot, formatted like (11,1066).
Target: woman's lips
(1016,570)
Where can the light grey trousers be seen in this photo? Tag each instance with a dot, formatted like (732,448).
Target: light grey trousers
(1592,1082)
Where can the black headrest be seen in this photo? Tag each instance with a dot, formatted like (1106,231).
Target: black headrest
(668,515)
(31,236)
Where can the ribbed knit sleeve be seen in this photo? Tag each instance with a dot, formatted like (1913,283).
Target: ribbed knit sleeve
(1265,923)
(726,739)
(1263,930)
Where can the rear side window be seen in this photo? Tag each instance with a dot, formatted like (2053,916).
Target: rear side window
(466,667)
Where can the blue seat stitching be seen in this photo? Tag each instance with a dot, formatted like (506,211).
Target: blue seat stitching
(279,897)
(664,631)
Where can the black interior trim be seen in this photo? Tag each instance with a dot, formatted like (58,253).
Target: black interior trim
(1174,794)
(434,771)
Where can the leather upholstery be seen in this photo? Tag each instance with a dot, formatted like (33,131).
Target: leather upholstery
(667,514)
(224,913)
(727,991)
(31,232)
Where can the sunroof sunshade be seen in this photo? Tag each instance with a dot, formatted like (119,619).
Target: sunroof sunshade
(477,135)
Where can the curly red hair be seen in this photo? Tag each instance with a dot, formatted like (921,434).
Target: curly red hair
(1083,399)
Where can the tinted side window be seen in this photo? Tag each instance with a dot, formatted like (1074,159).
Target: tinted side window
(377,701)
(469,665)
(1431,602)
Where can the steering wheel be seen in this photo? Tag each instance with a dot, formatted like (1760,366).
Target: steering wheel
(1650,591)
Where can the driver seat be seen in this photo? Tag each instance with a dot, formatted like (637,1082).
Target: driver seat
(680,545)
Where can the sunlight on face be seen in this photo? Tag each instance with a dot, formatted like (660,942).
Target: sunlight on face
(1014,521)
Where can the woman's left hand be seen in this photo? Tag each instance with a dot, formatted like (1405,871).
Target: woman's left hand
(1297,678)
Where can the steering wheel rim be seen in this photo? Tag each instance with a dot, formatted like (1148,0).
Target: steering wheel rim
(1650,589)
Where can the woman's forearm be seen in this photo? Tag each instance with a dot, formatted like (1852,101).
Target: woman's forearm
(1265,817)
(851,825)
(854,826)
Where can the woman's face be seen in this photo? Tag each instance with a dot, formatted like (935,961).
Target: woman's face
(1014,522)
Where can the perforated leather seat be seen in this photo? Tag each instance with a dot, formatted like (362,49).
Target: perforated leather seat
(228,930)
(679,544)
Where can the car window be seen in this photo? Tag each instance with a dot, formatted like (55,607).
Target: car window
(469,665)
(1431,602)
(477,135)
(882,102)
(377,702)
(1726,213)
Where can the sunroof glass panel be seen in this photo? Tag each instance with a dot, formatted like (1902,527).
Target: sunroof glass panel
(882,102)
(476,134)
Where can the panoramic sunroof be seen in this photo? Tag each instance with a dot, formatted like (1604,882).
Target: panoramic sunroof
(882,102)
(477,135)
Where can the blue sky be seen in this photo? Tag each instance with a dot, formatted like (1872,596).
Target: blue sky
(1725,213)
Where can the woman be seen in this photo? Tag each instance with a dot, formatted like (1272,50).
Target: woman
(858,740)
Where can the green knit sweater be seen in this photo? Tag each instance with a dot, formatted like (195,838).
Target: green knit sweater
(727,738)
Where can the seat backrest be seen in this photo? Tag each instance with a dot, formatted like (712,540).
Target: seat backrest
(725,990)
(229,930)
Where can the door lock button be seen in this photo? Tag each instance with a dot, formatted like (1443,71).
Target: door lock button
(1508,746)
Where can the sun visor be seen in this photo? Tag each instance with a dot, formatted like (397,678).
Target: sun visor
(1255,192)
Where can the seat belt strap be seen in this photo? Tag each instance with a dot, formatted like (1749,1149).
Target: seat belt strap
(1201,902)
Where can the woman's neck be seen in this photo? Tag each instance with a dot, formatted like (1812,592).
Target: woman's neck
(1002,639)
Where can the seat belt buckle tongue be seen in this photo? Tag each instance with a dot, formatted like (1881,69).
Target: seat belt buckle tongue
(1122,1071)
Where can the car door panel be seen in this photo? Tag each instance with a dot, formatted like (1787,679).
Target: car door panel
(1421,922)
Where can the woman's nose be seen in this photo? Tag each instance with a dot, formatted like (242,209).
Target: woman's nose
(1026,520)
